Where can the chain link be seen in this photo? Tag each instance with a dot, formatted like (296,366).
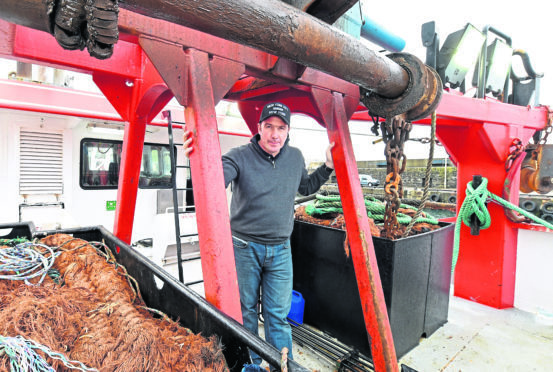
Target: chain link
(548,129)
(395,132)
(537,147)
(515,153)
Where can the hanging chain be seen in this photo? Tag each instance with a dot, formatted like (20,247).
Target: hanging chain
(548,129)
(395,131)
(537,147)
(426,176)
(515,153)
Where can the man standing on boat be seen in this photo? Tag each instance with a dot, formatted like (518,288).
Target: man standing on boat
(266,174)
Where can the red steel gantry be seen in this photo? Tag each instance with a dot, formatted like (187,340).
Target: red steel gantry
(156,60)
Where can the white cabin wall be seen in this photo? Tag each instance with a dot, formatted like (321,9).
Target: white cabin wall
(88,207)
(9,172)
(534,276)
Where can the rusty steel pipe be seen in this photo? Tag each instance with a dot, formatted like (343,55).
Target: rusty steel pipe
(272,26)
(280,29)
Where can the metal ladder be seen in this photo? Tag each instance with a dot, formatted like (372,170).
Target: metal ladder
(187,208)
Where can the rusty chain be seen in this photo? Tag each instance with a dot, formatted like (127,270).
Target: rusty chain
(547,130)
(535,148)
(517,150)
(395,132)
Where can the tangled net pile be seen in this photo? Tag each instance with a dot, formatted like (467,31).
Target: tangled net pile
(87,310)
(327,211)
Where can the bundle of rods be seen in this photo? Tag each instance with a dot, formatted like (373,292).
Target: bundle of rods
(94,315)
(344,357)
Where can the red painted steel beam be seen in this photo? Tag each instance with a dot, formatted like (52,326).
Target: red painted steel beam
(335,113)
(477,134)
(453,108)
(33,97)
(199,82)
(138,101)
(485,271)
(54,100)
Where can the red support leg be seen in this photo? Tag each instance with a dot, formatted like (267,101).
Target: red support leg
(129,174)
(333,109)
(137,101)
(221,283)
(486,267)
(191,75)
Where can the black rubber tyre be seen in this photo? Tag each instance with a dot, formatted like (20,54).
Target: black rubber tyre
(547,207)
(528,205)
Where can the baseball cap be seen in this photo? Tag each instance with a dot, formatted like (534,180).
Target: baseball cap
(275,109)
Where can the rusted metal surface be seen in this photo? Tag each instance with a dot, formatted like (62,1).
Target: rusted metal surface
(395,131)
(514,160)
(418,100)
(330,10)
(537,170)
(77,24)
(283,30)
(29,13)
(277,28)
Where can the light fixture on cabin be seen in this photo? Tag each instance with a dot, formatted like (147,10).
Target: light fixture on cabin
(106,128)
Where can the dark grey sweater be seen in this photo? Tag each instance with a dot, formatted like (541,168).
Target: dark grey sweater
(264,188)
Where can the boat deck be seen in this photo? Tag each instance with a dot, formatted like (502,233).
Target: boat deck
(475,338)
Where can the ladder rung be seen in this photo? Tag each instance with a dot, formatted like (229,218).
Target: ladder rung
(188,235)
(182,166)
(184,188)
(191,258)
(194,282)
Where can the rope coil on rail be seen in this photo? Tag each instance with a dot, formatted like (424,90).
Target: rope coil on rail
(375,209)
(475,204)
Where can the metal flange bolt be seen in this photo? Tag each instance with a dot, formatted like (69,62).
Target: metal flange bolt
(418,101)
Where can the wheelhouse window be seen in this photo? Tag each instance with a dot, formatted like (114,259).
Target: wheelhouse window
(101,159)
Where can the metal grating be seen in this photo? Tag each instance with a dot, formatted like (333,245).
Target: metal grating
(40,162)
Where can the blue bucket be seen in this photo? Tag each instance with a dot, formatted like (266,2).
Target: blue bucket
(296,310)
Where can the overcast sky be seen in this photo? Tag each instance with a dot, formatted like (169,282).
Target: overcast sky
(528,23)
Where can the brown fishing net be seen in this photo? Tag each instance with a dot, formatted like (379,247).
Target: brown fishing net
(97,317)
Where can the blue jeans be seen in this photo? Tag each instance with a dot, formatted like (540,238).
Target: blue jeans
(268,267)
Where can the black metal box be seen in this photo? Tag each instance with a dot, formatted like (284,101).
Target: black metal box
(415,274)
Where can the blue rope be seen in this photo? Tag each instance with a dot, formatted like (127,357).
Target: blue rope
(24,357)
(25,261)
